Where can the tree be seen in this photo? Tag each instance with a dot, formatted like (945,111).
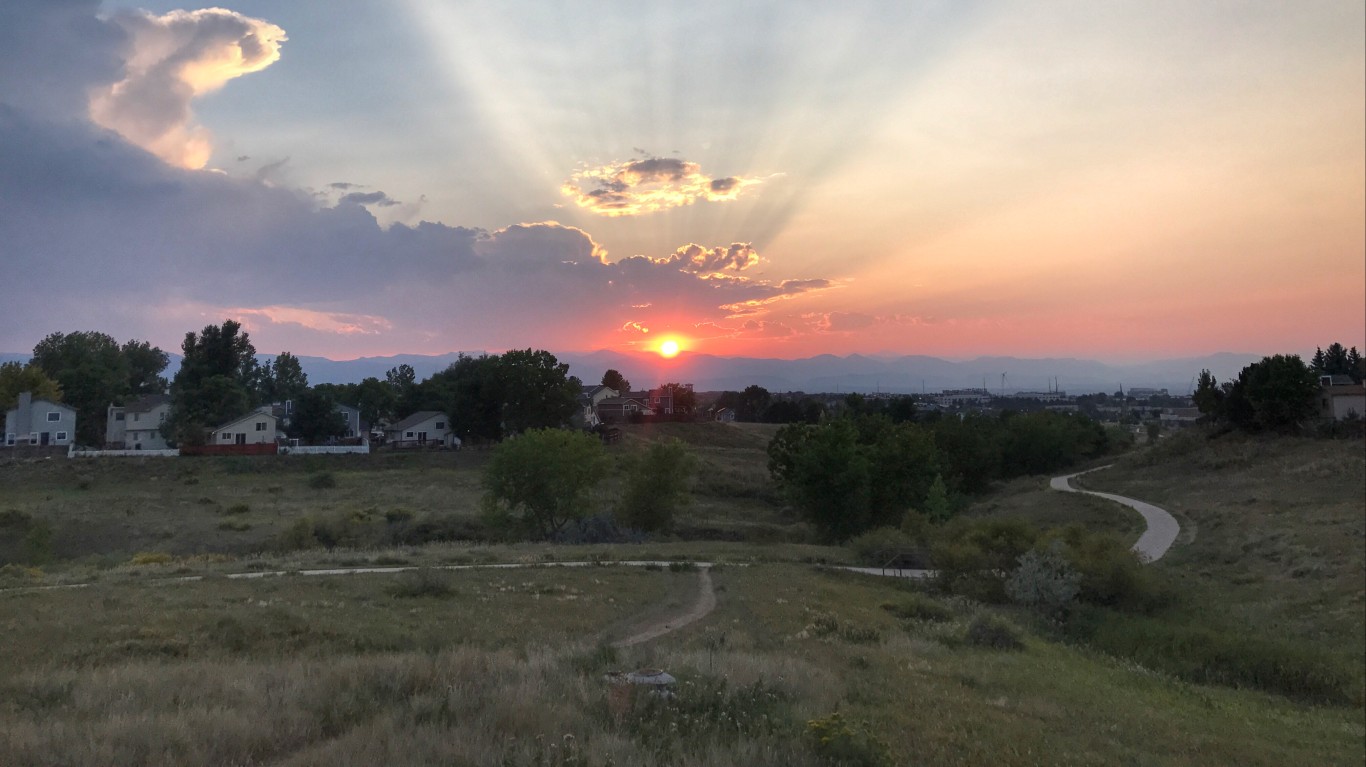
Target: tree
(215,381)
(145,365)
(538,392)
(828,481)
(656,485)
(1275,394)
(282,380)
(470,393)
(16,379)
(402,380)
(1209,397)
(93,374)
(375,400)
(316,417)
(616,381)
(937,505)
(754,401)
(543,478)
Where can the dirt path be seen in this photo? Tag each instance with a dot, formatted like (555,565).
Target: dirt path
(1162,526)
(706,602)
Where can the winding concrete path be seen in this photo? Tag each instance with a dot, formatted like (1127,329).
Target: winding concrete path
(1162,526)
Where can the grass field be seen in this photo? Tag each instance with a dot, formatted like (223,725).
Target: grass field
(141,666)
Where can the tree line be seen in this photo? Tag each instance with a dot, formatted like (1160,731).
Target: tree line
(1276,394)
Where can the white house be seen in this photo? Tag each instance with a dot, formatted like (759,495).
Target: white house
(424,427)
(1340,397)
(254,428)
(588,401)
(39,422)
(137,425)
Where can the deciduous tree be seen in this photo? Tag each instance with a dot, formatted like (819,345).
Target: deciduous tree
(542,479)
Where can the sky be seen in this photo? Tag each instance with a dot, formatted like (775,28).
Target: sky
(1112,180)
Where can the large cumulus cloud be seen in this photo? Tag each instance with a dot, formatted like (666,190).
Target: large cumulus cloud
(101,230)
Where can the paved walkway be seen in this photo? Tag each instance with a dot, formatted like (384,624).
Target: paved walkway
(1162,526)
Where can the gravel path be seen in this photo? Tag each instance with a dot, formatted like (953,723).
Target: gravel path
(1162,526)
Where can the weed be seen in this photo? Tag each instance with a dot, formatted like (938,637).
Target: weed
(151,558)
(237,508)
(323,480)
(836,741)
(917,607)
(234,525)
(14,518)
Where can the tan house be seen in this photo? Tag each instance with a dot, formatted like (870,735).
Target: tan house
(137,424)
(1340,397)
(423,428)
(255,428)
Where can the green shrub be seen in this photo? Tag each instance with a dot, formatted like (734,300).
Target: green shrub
(299,535)
(918,607)
(836,741)
(395,516)
(234,525)
(973,557)
(989,631)
(237,508)
(707,709)
(15,518)
(424,582)
(828,626)
(36,546)
(876,547)
(655,486)
(323,480)
(1112,575)
(1207,656)
(1045,580)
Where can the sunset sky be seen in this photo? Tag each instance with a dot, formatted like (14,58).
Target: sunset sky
(1113,180)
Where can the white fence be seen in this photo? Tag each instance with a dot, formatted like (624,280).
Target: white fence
(325,450)
(74,453)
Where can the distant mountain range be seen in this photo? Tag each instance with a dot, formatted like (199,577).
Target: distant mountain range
(824,373)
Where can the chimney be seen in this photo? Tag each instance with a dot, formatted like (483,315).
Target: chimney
(23,420)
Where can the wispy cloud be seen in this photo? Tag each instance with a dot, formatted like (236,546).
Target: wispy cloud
(636,187)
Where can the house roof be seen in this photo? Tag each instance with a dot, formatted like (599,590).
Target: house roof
(240,419)
(415,419)
(36,400)
(1338,379)
(147,403)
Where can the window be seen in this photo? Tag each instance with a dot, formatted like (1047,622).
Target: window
(260,427)
(227,437)
(118,416)
(137,416)
(61,435)
(33,438)
(409,435)
(9,439)
(53,416)
(162,419)
(440,424)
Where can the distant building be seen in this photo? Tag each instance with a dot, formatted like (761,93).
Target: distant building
(1340,398)
(1178,417)
(422,429)
(618,409)
(255,428)
(136,425)
(1042,396)
(39,422)
(951,398)
(350,415)
(588,401)
(1138,392)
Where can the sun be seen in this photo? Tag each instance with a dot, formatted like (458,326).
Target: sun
(669,349)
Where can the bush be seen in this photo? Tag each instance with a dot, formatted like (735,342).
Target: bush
(835,740)
(15,518)
(974,557)
(599,528)
(989,631)
(237,508)
(1111,573)
(36,547)
(424,582)
(876,547)
(323,480)
(918,607)
(656,486)
(1044,581)
(234,525)
(299,535)
(1205,656)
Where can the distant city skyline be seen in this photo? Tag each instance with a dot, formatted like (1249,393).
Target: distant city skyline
(1119,181)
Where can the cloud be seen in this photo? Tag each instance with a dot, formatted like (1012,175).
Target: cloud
(844,322)
(105,235)
(169,61)
(636,187)
(369,198)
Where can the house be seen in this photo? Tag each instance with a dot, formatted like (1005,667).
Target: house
(1340,397)
(351,415)
(618,409)
(137,424)
(587,416)
(39,422)
(725,415)
(1179,417)
(423,428)
(255,428)
(662,399)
